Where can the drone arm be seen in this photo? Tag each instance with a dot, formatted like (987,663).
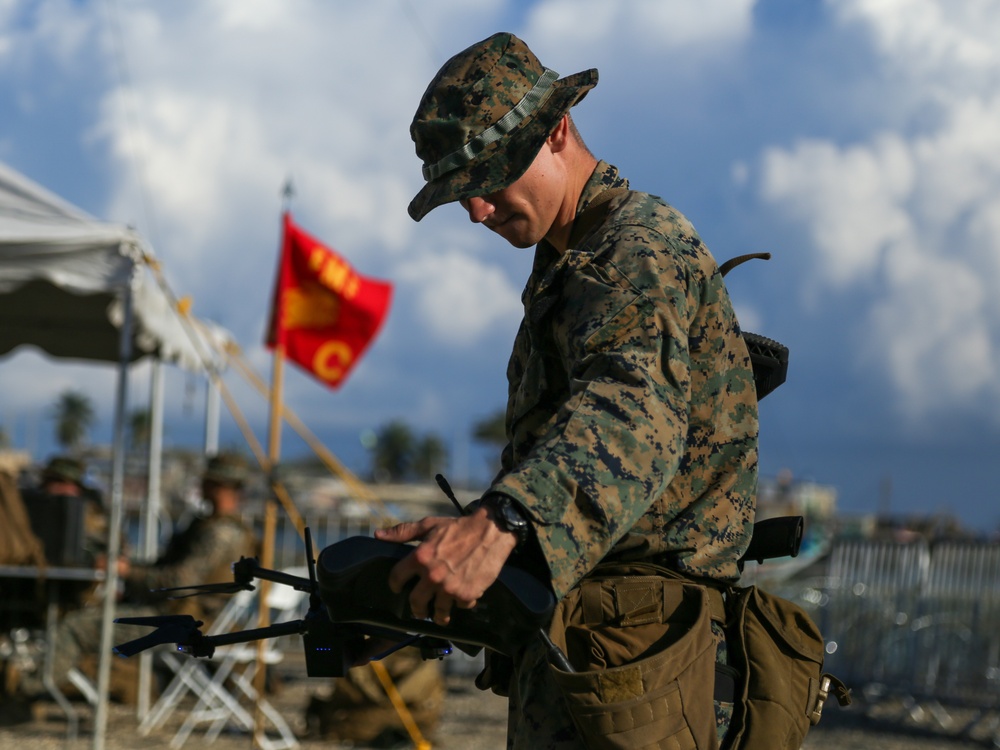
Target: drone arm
(139,645)
(181,629)
(249,568)
(293,627)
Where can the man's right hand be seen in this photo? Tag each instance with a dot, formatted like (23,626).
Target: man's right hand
(457,560)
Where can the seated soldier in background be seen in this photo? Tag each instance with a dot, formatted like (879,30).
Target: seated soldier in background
(64,476)
(68,521)
(205,551)
(202,553)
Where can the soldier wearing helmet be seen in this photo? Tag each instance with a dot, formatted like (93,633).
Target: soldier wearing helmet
(205,551)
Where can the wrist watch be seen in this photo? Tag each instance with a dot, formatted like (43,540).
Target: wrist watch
(507,516)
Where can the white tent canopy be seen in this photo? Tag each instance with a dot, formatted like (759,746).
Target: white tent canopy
(81,288)
(63,275)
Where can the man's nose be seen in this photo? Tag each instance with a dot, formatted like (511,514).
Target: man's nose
(479,209)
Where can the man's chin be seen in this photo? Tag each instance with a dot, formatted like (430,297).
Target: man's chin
(514,237)
(521,244)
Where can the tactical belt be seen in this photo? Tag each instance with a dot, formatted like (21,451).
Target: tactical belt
(637,600)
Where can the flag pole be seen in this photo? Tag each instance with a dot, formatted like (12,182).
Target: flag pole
(270,525)
(270,505)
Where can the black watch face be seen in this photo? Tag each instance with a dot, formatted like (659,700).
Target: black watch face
(512,518)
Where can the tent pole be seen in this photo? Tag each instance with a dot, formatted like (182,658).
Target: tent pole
(114,530)
(150,514)
(212,418)
(151,510)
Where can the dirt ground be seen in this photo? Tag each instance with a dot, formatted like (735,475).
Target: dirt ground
(471,720)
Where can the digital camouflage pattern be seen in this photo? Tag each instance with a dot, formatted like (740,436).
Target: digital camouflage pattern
(632,412)
(485,116)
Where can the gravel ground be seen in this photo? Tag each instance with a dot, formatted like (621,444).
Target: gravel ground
(472,720)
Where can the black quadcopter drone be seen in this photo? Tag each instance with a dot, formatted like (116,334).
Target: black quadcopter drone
(350,601)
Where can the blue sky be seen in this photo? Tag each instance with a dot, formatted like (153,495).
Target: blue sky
(856,140)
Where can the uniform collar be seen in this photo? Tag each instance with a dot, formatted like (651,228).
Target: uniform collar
(548,261)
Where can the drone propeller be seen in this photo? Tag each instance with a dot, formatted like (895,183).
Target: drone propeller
(180,629)
(208,588)
(156,621)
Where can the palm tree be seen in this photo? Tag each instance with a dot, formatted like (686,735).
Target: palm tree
(429,457)
(140,426)
(492,430)
(392,453)
(73,414)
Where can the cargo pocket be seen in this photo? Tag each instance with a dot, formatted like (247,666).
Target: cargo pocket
(642,681)
(779,651)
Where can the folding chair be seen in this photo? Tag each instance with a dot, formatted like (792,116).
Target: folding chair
(221,683)
(218,705)
(189,674)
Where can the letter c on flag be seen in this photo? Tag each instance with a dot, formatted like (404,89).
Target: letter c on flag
(332,360)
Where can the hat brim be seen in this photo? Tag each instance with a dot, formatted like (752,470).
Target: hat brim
(505,164)
(58,476)
(228,480)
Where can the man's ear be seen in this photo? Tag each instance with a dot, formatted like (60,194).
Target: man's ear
(559,136)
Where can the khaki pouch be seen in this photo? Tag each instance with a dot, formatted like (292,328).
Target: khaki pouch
(644,655)
(778,650)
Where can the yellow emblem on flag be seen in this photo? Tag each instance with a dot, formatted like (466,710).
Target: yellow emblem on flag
(310,306)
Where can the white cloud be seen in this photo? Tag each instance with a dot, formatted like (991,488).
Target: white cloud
(960,162)
(647,25)
(852,199)
(935,40)
(255,95)
(193,150)
(59,30)
(933,330)
(460,298)
(913,212)
(256,15)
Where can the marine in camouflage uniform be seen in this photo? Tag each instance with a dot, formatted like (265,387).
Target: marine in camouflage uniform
(632,412)
(202,553)
(65,476)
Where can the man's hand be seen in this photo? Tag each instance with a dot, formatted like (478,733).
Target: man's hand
(101,563)
(457,560)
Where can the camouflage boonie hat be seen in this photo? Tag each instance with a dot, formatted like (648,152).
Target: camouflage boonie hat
(64,469)
(485,116)
(226,468)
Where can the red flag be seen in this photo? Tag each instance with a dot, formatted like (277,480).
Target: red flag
(324,314)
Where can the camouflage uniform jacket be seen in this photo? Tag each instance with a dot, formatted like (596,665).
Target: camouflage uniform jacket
(631,415)
(204,552)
